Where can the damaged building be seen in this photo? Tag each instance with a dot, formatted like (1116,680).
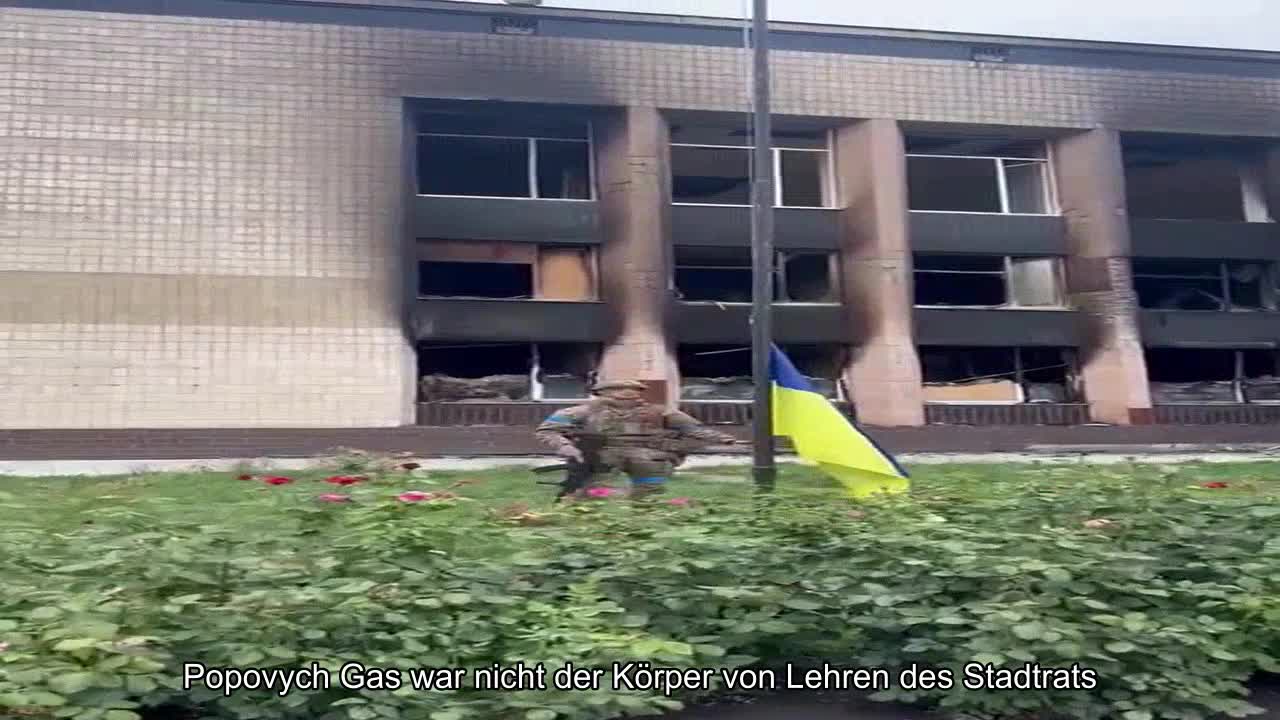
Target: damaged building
(464,214)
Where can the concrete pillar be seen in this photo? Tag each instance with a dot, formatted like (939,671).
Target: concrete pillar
(1089,169)
(634,180)
(875,273)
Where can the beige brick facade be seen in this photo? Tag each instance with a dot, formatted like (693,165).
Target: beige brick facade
(200,219)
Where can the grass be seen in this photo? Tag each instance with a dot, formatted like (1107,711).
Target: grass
(61,503)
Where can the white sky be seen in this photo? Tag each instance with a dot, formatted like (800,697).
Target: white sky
(1243,24)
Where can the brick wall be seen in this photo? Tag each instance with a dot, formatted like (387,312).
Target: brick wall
(201,217)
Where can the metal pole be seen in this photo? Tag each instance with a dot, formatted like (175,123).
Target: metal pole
(764,471)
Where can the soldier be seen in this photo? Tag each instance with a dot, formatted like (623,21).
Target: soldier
(635,436)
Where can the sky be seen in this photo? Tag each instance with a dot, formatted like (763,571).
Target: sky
(1240,24)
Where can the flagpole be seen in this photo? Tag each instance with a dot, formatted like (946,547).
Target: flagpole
(764,470)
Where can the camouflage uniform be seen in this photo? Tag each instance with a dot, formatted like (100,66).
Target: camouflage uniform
(636,434)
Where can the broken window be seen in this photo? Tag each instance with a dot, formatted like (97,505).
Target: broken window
(1203,285)
(496,166)
(1260,371)
(987,281)
(715,372)
(723,274)
(998,375)
(713,273)
(510,271)
(509,372)
(1193,376)
(1192,178)
(723,372)
(975,175)
(721,175)
(476,372)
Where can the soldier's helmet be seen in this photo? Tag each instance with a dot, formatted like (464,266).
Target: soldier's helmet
(607,385)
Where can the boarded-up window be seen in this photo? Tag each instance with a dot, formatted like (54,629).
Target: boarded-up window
(566,273)
(511,372)
(723,372)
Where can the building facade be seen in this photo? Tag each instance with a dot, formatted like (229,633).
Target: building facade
(368,213)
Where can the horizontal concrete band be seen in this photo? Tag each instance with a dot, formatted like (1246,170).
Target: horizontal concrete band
(222,300)
(182,444)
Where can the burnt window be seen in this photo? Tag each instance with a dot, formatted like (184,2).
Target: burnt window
(721,175)
(723,274)
(723,372)
(509,167)
(475,279)
(1203,284)
(509,271)
(979,175)
(998,375)
(1194,178)
(506,372)
(1213,375)
(987,281)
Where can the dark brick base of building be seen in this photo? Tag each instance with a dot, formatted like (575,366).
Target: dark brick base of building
(497,441)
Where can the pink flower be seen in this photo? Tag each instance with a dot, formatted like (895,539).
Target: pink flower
(1214,485)
(600,492)
(334,498)
(413,496)
(680,501)
(278,480)
(245,477)
(342,480)
(4,646)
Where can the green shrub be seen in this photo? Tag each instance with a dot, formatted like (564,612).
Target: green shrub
(1174,599)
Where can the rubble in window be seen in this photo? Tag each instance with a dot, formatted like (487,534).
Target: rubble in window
(723,372)
(475,372)
(511,372)
(997,375)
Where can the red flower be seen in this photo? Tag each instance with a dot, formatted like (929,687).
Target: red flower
(1214,485)
(342,480)
(600,492)
(680,501)
(413,496)
(334,498)
(245,477)
(410,466)
(278,480)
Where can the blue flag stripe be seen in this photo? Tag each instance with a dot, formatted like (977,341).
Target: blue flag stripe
(784,374)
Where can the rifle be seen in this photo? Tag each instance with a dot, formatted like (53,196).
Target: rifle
(578,474)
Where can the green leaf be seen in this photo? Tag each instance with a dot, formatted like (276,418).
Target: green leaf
(121,715)
(1058,575)
(801,604)
(73,644)
(39,698)
(1137,715)
(246,657)
(1028,631)
(447,715)
(456,598)
(1120,646)
(71,683)
(541,714)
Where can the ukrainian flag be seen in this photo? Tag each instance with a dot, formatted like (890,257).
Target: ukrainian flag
(822,435)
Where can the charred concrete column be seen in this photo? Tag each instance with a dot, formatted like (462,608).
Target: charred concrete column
(875,268)
(632,152)
(1091,191)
